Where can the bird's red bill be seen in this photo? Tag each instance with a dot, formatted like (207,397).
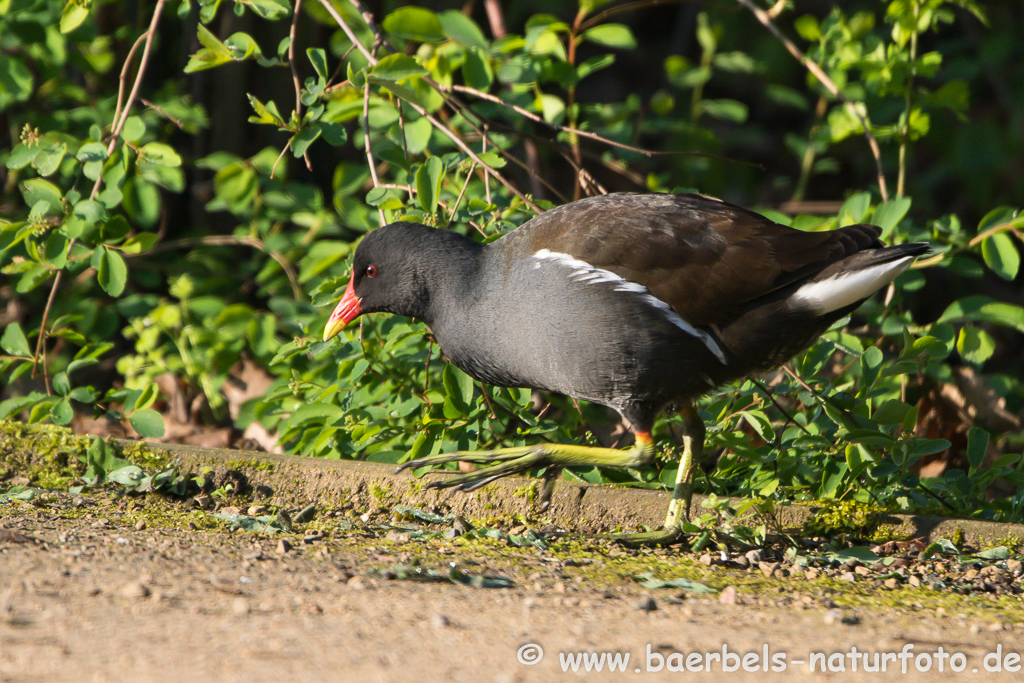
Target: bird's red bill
(345,312)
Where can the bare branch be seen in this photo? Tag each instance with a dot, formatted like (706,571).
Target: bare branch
(823,78)
(120,118)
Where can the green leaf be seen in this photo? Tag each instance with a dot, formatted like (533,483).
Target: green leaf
(56,250)
(736,62)
(48,159)
(62,412)
(761,424)
(269,9)
(141,201)
(111,271)
(303,139)
(428,183)
(459,388)
(40,190)
(862,553)
(242,46)
(396,67)
(148,423)
(15,342)
(616,36)
(476,70)
(807,27)
(648,581)
(15,79)
(318,58)
(998,553)
(75,12)
(213,53)
(265,113)
(415,23)
(61,383)
(889,214)
(855,209)
(159,153)
(979,308)
(977,447)
(463,30)
(1001,255)
(552,107)
(726,110)
(136,244)
(1000,215)
(975,345)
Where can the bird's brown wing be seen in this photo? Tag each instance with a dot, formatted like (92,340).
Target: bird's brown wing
(703,257)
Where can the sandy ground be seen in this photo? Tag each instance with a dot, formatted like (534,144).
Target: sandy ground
(95,598)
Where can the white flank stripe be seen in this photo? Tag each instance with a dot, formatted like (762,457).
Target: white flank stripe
(848,288)
(588,274)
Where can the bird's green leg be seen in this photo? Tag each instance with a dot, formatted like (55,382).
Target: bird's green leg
(682,492)
(693,446)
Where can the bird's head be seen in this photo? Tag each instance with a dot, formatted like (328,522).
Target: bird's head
(393,270)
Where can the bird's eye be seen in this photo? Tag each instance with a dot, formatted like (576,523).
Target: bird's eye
(371,271)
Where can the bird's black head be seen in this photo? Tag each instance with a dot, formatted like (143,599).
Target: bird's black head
(395,269)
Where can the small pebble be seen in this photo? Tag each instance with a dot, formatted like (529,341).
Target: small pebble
(355,582)
(705,559)
(728,596)
(647,604)
(754,556)
(257,510)
(241,607)
(862,570)
(440,621)
(283,546)
(914,581)
(231,510)
(848,576)
(1014,567)
(768,568)
(135,589)
(891,582)
(140,525)
(398,536)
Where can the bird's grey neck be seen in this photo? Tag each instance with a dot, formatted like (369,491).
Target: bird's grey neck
(448,287)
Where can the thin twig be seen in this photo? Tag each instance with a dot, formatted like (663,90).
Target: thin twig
(770,396)
(231,240)
(120,117)
(975,241)
(366,144)
(291,59)
(422,111)
(176,121)
(349,32)
(823,78)
(458,200)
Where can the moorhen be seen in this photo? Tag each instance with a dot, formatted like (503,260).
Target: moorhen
(630,300)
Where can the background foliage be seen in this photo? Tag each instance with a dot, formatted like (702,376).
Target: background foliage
(183,185)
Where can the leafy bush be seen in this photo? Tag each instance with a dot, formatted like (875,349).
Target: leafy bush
(136,246)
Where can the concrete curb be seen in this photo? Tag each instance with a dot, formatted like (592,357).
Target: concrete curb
(296,481)
(293,482)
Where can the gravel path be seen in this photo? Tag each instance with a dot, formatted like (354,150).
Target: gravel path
(91,591)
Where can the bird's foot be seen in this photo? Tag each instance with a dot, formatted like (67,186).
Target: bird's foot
(518,459)
(644,539)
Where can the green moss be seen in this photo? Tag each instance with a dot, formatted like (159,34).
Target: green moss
(251,464)
(381,495)
(844,516)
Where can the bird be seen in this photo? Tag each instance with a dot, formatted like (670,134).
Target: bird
(635,301)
